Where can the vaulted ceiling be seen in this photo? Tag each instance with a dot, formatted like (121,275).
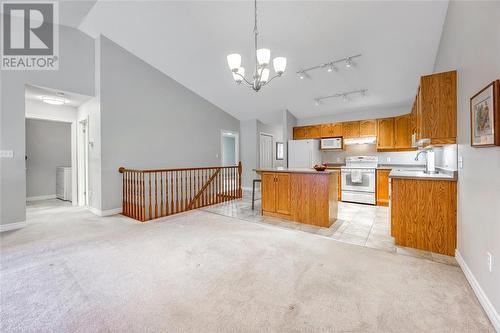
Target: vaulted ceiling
(189,41)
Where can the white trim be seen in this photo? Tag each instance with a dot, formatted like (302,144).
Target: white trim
(103,213)
(41,197)
(12,226)
(483,299)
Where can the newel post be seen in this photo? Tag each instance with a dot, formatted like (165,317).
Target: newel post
(240,169)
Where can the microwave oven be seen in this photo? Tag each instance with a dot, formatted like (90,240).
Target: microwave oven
(331,143)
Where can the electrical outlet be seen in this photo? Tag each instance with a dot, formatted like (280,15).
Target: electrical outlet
(338,159)
(489,259)
(388,159)
(460,162)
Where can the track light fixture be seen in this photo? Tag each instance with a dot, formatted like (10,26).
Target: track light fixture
(330,66)
(344,95)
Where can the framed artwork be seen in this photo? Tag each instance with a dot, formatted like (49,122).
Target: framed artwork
(279,151)
(485,116)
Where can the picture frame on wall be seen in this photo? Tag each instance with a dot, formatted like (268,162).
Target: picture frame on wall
(485,116)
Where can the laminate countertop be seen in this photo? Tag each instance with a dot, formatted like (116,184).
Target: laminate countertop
(421,175)
(295,170)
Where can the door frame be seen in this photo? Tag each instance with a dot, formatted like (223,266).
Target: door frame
(236,135)
(83,162)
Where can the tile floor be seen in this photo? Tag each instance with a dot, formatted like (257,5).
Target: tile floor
(357,224)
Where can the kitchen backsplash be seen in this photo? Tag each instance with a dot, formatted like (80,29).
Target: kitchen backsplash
(446,156)
(403,158)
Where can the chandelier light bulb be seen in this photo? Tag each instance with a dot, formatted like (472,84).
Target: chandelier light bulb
(264,77)
(279,64)
(263,56)
(234,61)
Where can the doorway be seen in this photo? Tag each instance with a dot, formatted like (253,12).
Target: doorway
(229,148)
(266,151)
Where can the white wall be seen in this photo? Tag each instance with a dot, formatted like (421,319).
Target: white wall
(40,110)
(360,114)
(48,145)
(249,150)
(76,74)
(149,120)
(289,122)
(471,44)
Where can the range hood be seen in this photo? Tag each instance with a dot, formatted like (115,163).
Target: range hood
(368,140)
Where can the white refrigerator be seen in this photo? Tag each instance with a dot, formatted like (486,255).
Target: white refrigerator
(303,153)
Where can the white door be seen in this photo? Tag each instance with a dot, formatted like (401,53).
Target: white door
(266,151)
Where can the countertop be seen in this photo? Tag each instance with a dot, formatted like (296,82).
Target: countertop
(419,174)
(383,166)
(295,170)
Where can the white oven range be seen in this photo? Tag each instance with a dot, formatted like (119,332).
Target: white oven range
(358,178)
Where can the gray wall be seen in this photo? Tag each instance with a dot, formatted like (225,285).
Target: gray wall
(48,145)
(148,120)
(471,44)
(249,150)
(76,74)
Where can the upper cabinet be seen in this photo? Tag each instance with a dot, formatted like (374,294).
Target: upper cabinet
(331,130)
(402,132)
(368,128)
(350,129)
(436,108)
(307,132)
(385,137)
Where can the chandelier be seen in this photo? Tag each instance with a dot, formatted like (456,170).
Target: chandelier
(262,59)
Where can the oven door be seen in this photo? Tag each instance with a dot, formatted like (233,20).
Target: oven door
(367,183)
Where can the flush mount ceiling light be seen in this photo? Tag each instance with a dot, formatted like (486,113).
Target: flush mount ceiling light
(345,96)
(54,100)
(330,66)
(262,59)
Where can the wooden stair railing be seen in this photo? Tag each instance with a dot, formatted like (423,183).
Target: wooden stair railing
(151,194)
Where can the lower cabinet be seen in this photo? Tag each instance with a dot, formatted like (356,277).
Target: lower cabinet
(276,192)
(383,187)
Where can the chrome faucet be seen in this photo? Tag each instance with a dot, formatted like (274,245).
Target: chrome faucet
(429,166)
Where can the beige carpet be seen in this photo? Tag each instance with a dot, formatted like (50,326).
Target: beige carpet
(70,271)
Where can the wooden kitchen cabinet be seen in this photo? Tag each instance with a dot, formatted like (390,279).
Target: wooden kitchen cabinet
(385,137)
(307,132)
(368,128)
(276,193)
(424,214)
(350,129)
(437,108)
(383,187)
(331,130)
(402,132)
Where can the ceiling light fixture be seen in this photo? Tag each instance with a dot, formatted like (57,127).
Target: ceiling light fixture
(54,100)
(302,73)
(345,96)
(262,60)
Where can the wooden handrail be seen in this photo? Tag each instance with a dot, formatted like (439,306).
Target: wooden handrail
(154,193)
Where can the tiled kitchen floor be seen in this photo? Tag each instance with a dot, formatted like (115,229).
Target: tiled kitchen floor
(357,224)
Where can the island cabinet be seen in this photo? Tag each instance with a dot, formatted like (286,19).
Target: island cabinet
(424,214)
(308,197)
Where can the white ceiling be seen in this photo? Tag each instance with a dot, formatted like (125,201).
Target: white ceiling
(189,41)
(35,93)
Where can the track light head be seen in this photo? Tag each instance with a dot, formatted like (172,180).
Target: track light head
(349,63)
(332,68)
(317,102)
(344,97)
(301,75)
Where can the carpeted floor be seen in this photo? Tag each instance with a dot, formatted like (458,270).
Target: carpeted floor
(70,271)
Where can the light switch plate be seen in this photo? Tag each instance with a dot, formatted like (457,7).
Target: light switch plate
(388,159)
(6,153)
(460,162)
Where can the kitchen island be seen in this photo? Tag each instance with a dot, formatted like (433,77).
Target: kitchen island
(301,195)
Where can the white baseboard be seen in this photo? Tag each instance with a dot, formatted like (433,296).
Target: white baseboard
(41,197)
(12,226)
(483,299)
(108,212)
